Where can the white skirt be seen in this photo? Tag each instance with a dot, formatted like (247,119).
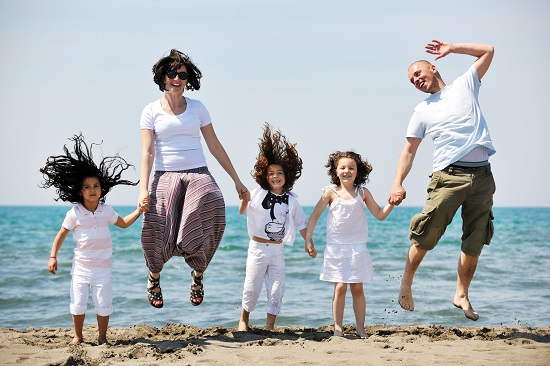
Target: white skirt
(347,263)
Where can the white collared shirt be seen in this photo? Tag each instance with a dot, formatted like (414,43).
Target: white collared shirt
(91,234)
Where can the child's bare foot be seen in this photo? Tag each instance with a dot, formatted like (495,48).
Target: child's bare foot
(338,333)
(406,298)
(77,340)
(362,334)
(270,322)
(243,326)
(464,304)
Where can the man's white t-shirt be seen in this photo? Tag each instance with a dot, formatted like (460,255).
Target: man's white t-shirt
(452,118)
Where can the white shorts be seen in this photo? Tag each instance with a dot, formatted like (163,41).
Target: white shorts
(264,261)
(102,294)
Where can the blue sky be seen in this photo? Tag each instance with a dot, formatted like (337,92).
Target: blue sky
(331,75)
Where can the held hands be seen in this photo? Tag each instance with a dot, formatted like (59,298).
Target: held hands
(245,196)
(242,191)
(441,49)
(310,249)
(397,195)
(52,265)
(143,202)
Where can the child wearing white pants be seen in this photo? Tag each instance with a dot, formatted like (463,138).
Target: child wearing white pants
(272,214)
(264,261)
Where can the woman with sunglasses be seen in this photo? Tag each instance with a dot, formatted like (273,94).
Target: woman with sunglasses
(184,207)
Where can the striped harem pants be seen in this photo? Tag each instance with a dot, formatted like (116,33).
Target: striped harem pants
(186,218)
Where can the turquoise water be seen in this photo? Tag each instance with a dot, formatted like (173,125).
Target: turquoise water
(511,285)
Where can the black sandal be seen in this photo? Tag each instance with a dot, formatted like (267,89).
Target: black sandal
(154,296)
(196,294)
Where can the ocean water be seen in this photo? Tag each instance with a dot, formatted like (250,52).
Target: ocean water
(511,285)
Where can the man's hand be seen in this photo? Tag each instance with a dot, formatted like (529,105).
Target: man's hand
(441,49)
(397,195)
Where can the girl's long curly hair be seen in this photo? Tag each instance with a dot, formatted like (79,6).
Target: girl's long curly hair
(363,167)
(67,172)
(275,149)
(174,61)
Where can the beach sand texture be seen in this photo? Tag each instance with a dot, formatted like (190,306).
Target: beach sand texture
(179,344)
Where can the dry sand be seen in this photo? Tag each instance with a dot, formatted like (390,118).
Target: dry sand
(178,344)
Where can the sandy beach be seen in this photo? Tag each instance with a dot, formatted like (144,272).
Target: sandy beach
(188,345)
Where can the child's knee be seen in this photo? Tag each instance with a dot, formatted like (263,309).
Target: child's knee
(78,309)
(340,289)
(102,294)
(357,289)
(106,311)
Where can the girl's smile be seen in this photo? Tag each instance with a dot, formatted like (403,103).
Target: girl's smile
(346,170)
(276,178)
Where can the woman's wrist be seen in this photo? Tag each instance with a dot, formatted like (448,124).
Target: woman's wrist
(53,256)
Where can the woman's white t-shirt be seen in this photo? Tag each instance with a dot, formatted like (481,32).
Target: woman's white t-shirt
(177,138)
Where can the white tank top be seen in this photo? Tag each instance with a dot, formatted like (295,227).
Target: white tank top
(346,220)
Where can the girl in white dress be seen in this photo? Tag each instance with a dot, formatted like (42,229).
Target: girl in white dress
(346,258)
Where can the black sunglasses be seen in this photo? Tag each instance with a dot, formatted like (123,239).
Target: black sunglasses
(172,74)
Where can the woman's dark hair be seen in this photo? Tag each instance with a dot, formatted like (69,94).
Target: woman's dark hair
(67,172)
(363,167)
(174,61)
(275,149)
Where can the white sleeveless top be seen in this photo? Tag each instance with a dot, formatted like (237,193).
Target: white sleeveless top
(346,257)
(346,219)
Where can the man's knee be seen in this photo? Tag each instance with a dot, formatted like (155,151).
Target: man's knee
(425,232)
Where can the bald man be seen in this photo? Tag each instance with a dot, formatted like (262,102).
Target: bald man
(452,118)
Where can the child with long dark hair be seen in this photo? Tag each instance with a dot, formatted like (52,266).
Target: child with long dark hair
(80,181)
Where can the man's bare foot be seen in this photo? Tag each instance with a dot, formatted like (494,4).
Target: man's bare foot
(243,326)
(406,298)
(101,341)
(77,340)
(464,304)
